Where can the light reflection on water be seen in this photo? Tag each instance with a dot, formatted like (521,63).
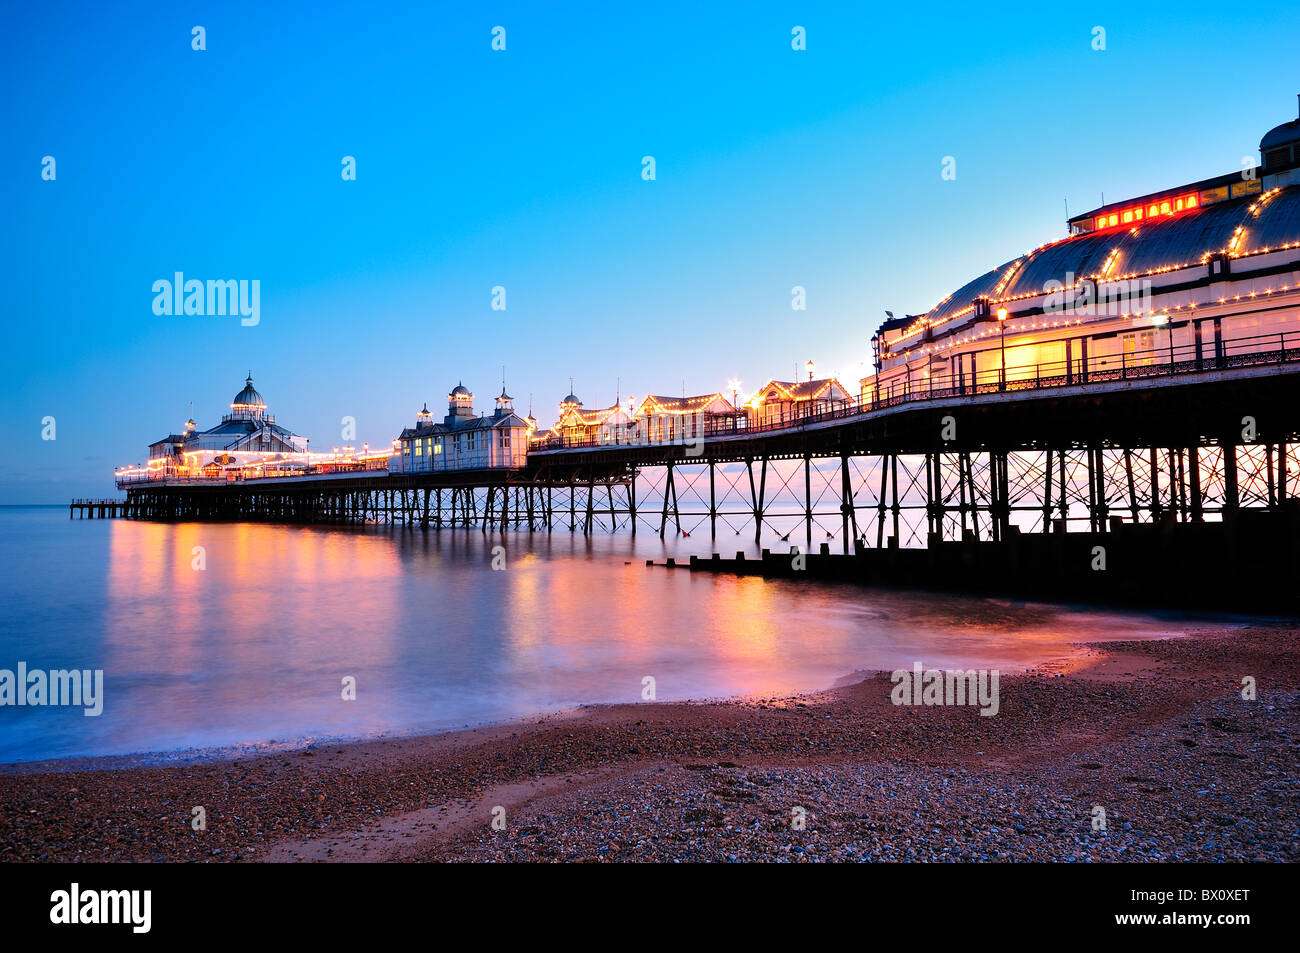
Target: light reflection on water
(253,648)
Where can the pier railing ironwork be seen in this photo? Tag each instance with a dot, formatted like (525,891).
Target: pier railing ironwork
(1168,361)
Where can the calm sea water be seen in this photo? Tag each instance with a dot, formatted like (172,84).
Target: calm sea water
(252,650)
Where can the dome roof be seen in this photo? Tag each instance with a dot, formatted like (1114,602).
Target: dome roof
(571,400)
(1280,135)
(460,390)
(249,397)
(1166,244)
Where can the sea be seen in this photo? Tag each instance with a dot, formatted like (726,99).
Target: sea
(215,638)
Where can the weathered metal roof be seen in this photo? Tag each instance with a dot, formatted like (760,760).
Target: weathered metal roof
(1267,221)
(249,397)
(1280,135)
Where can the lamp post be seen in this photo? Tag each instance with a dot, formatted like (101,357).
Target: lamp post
(811,367)
(875,362)
(734,386)
(1163,319)
(1002,325)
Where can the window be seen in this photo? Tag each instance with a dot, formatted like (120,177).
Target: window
(1138,348)
(469,441)
(437,445)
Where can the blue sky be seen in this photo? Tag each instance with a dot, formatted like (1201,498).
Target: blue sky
(522,169)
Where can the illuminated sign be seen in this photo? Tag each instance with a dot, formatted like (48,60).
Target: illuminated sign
(1248,187)
(1158,208)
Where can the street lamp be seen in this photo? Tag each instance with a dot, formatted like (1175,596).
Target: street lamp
(1164,319)
(1002,325)
(734,386)
(875,362)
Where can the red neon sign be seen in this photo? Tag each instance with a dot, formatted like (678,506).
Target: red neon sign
(1159,208)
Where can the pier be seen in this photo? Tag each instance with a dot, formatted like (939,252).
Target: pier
(1117,410)
(579,498)
(1178,486)
(1190,442)
(98,509)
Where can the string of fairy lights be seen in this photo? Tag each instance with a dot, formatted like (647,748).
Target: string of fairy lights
(572,417)
(1108,271)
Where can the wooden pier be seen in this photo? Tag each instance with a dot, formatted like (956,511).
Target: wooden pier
(98,509)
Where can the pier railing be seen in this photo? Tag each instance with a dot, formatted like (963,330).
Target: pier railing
(1169,361)
(168,473)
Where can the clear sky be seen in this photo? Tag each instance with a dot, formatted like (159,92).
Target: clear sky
(523,169)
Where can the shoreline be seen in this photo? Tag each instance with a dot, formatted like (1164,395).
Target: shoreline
(1156,729)
(218,754)
(188,756)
